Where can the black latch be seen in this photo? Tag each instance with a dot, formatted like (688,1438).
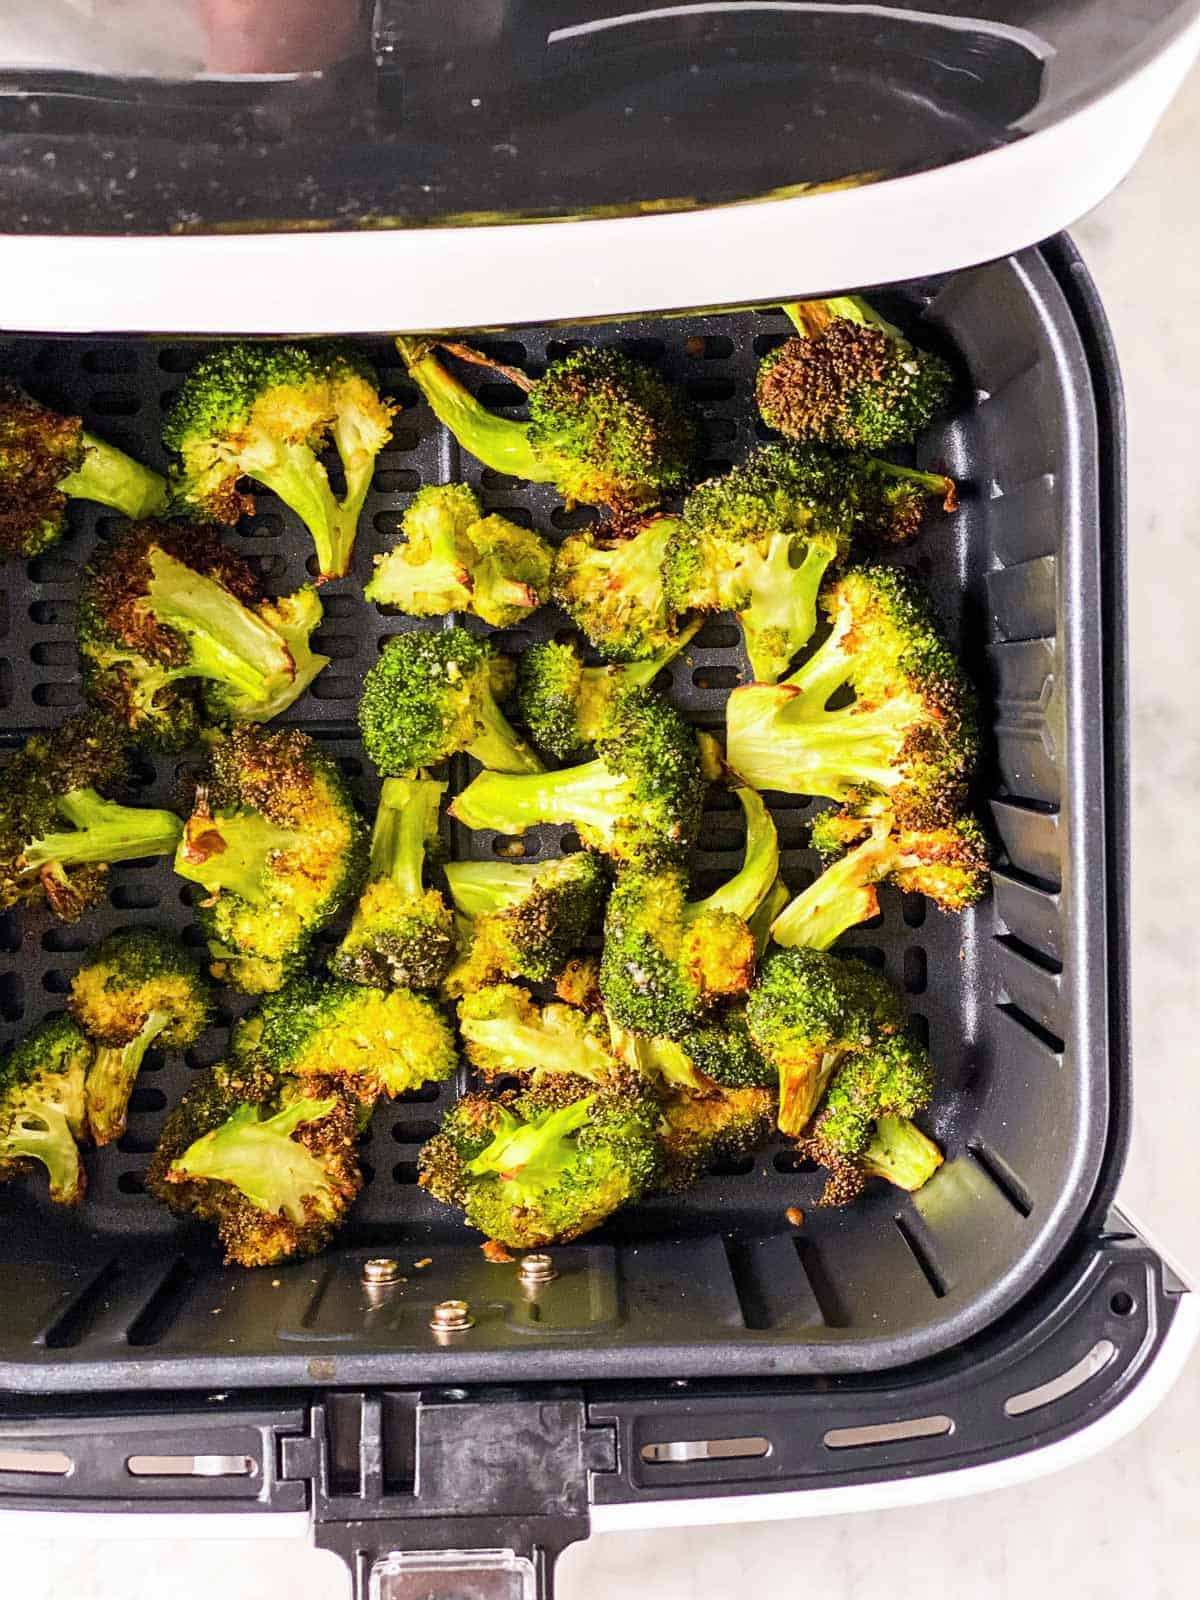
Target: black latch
(460,1475)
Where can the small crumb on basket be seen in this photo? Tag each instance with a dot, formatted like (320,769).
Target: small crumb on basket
(495,1253)
(795,1216)
(425,1261)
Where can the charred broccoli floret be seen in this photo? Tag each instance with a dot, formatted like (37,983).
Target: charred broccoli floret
(453,558)
(617,587)
(266,411)
(666,959)
(506,1032)
(431,695)
(174,631)
(697,1130)
(947,864)
(58,832)
(639,799)
(270,1161)
(909,734)
(42,1114)
(525,918)
(372,1041)
(47,459)
(603,429)
(135,990)
(850,379)
(566,704)
(402,933)
(806,1014)
(546,1165)
(275,841)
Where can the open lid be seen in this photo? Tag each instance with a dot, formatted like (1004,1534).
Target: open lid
(878,142)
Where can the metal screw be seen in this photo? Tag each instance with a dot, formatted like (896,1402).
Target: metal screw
(380,1269)
(536,1268)
(451,1316)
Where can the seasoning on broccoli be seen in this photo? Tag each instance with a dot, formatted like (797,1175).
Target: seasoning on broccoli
(136,989)
(58,832)
(850,379)
(42,1108)
(270,1161)
(277,845)
(605,430)
(431,695)
(524,919)
(402,933)
(46,460)
(174,632)
(453,558)
(266,412)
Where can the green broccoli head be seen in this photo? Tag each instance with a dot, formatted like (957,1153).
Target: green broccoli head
(525,918)
(453,558)
(266,411)
(723,1053)
(617,586)
(372,1041)
(277,845)
(807,1012)
(546,1165)
(909,735)
(58,834)
(698,1130)
(402,932)
(42,1112)
(136,989)
(506,1033)
(431,695)
(603,429)
(47,459)
(850,379)
(640,798)
(270,1161)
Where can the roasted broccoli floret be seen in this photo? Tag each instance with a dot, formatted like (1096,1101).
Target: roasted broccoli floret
(723,1053)
(617,587)
(431,695)
(373,1041)
(909,734)
(806,1014)
(47,459)
(402,933)
(275,841)
(58,833)
(697,1130)
(506,1032)
(639,799)
(270,1161)
(865,1129)
(453,558)
(525,918)
(566,704)
(174,631)
(948,864)
(42,1107)
(666,959)
(850,379)
(603,429)
(546,1165)
(135,990)
(266,411)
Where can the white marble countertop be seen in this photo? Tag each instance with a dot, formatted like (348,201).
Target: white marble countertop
(1127,1522)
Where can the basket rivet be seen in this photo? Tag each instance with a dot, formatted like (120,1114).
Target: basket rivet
(380,1269)
(451,1316)
(536,1268)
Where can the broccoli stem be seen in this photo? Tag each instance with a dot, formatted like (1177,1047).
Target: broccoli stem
(103,832)
(510,803)
(42,1133)
(261,1158)
(499,442)
(530,1156)
(529,1048)
(782,615)
(231,850)
(748,888)
(111,478)
(801,1086)
(934,482)
(111,1078)
(811,317)
(405,822)
(229,644)
(901,1153)
(293,472)
(480,887)
(497,745)
(843,896)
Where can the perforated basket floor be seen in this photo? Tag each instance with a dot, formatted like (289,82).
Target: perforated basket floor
(1012,997)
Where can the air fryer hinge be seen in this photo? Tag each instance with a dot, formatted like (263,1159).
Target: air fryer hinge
(444,1470)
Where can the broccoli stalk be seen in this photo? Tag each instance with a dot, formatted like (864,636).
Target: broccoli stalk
(233,851)
(499,442)
(259,1157)
(111,1079)
(898,1151)
(111,478)
(101,833)
(531,1156)
(505,1032)
(227,642)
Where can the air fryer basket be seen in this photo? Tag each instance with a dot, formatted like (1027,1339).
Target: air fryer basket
(1014,996)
